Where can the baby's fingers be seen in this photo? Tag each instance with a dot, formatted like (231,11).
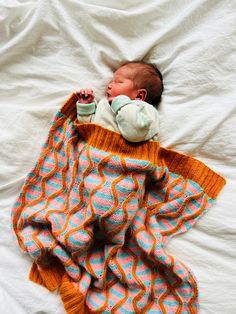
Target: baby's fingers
(86,92)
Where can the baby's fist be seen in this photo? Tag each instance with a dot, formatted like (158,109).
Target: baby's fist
(85,96)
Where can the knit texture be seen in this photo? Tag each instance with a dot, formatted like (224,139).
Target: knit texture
(95,215)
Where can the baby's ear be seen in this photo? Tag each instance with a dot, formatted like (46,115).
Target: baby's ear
(142,94)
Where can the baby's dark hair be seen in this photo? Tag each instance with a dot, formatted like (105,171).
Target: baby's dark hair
(147,76)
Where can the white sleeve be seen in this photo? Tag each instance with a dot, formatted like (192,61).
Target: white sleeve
(137,120)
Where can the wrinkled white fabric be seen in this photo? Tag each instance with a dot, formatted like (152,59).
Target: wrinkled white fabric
(50,48)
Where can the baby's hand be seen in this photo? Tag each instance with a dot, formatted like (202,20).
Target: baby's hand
(85,96)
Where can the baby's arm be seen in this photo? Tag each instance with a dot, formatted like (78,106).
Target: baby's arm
(137,120)
(86,105)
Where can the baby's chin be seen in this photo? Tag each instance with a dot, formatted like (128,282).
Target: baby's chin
(110,98)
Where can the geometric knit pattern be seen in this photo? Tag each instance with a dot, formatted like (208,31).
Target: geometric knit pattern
(95,215)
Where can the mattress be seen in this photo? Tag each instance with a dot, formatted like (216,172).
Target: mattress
(50,49)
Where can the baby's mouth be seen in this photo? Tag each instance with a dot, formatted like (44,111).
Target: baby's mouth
(109,98)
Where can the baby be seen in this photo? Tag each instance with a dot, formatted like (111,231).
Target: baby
(129,107)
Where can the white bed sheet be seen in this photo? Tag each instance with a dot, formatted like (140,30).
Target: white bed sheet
(50,48)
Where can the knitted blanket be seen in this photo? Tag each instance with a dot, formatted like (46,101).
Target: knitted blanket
(95,215)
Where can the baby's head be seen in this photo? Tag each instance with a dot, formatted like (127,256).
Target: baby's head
(137,80)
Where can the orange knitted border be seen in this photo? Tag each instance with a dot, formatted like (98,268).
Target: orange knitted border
(191,168)
(54,277)
(114,143)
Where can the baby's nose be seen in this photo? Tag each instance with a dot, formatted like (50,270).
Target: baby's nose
(110,85)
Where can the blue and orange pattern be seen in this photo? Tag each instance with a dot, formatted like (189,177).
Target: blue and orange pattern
(95,215)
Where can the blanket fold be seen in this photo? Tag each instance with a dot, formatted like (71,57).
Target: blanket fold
(96,212)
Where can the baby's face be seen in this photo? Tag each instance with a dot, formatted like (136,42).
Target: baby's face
(122,84)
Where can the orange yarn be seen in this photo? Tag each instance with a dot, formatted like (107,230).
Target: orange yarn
(54,276)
